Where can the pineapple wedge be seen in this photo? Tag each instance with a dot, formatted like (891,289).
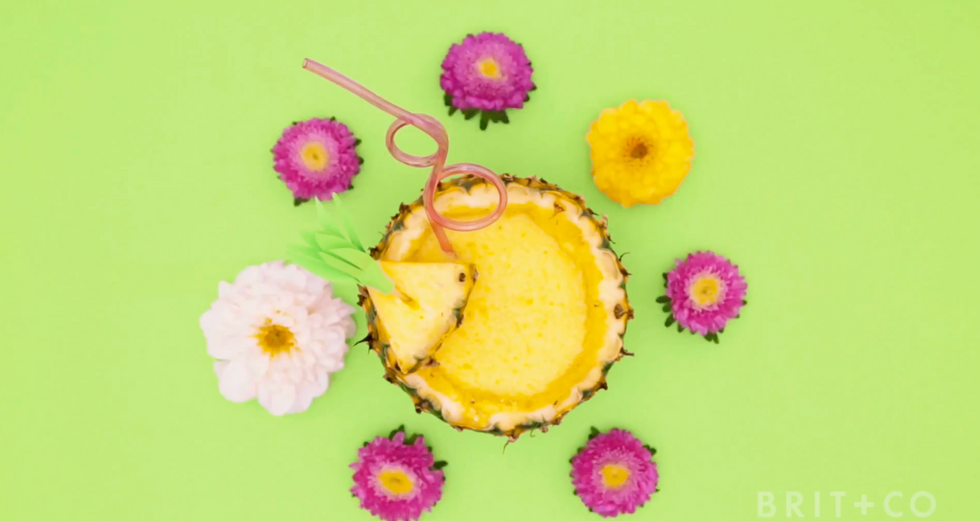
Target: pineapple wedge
(427,305)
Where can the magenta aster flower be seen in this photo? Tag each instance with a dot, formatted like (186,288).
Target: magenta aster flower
(614,473)
(316,158)
(487,73)
(397,479)
(704,292)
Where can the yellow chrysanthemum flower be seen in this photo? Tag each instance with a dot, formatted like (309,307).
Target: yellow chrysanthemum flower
(640,152)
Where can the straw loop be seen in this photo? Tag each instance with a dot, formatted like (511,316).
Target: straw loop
(437,160)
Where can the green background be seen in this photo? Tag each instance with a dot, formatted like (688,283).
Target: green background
(837,162)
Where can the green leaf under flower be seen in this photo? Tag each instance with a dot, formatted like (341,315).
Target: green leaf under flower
(486,117)
(401,428)
(493,116)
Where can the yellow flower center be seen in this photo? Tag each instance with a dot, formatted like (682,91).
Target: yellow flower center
(706,290)
(614,476)
(275,339)
(315,156)
(638,149)
(396,482)
(489,68)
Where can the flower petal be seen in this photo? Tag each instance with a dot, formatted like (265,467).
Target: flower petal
(235,381)
(293,298)
(304,397)
(277,399)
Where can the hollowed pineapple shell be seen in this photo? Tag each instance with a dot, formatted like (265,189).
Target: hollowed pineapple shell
(544,322)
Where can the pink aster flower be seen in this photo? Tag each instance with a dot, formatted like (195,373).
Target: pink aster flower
(704,292)
(397,479)
(487,73)
(316,158)
(614,473)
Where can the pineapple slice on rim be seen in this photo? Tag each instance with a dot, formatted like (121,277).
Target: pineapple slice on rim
(541,329)
(427,304)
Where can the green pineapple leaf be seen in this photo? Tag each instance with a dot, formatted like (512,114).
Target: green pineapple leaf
(317,267)
(371,274)
(303,251)
(326,242)
(352,271)
(335,252)
(329,226)
(348,224)
(320,264)
(354,258)
(310,239)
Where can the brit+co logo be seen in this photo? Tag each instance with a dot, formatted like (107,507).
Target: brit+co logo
(838,504)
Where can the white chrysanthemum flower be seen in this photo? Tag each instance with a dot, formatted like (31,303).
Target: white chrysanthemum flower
(277,333)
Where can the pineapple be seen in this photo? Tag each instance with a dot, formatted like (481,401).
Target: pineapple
(542,326)
(426,306)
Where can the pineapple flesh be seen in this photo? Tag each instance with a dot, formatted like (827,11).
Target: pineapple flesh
(543,325)
(427,305)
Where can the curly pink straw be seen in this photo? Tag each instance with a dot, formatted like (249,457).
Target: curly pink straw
(437,161)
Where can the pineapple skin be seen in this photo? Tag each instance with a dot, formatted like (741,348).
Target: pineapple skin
(623,310)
